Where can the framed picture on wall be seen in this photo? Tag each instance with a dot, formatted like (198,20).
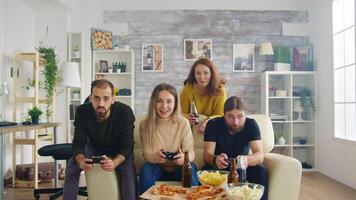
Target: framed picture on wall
(103,66)
(243,58)
(101,39)
(152,57)
(197,48)
(303,58)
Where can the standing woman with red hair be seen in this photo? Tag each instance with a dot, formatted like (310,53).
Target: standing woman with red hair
(205,86)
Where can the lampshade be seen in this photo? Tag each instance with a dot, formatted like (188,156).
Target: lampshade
(266,48)
(71,76)
(3,89)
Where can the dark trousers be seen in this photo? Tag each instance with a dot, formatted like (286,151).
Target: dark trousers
(126,171)
(256,174)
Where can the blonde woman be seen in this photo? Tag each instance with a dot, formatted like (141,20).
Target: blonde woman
(165,130)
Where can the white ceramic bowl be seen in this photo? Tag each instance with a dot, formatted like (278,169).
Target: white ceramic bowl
(245,191)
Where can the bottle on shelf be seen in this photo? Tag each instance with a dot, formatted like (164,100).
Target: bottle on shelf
(233,177)
(194,111)
(186,171)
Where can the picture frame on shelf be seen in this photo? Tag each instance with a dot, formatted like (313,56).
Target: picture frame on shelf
(243,58)
(152,58)
(99,76)
(101,39)
(103,66)
(303,58)
(195,49)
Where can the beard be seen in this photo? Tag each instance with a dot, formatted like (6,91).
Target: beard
(235,128)
(101,112)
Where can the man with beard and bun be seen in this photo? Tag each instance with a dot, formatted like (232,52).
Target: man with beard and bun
(104,128)
(234,135)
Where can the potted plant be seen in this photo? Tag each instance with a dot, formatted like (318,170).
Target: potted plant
(307,103)
(34,113)
(51,76)
(76,52)
(281,58)
(76,94)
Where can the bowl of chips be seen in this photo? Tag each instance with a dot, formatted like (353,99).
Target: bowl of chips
(245,191)
(212,177)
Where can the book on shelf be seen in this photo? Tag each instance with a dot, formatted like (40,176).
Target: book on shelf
(278,117)
(72,111)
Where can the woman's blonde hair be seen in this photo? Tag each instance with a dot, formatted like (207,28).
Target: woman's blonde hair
(150,121)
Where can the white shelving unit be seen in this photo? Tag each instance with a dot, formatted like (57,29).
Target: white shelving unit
(280,100)
(75,96)
(122,76)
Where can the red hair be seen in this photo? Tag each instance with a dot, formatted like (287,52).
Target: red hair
(216,81)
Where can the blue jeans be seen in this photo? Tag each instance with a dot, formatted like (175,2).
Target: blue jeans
(150,173)
(126,171)
(256,174)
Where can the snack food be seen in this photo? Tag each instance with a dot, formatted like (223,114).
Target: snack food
(168,190)
(245,192)
(202,192)
(206,192)
(214,178)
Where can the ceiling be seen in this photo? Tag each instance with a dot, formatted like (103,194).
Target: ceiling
(50,4)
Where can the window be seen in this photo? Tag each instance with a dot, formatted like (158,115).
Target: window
(344,69)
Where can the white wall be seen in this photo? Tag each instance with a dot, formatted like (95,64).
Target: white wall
(17,35)
(2,47)
(335,158)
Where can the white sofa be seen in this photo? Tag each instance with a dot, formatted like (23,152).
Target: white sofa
(284,172)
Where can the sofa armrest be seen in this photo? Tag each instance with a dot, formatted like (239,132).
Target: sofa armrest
(102,184)
(284,174)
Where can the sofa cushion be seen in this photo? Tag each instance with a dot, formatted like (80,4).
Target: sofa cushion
(266,130)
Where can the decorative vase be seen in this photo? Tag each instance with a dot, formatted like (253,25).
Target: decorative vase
(281,141)
(297,111)
(126,47)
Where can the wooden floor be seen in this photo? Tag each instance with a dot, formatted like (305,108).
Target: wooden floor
(314,186)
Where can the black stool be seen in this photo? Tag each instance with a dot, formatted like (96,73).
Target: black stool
(58,152)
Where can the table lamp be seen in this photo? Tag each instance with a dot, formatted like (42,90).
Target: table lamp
(71,76)
(266,48)
(3,91)
(266,51)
